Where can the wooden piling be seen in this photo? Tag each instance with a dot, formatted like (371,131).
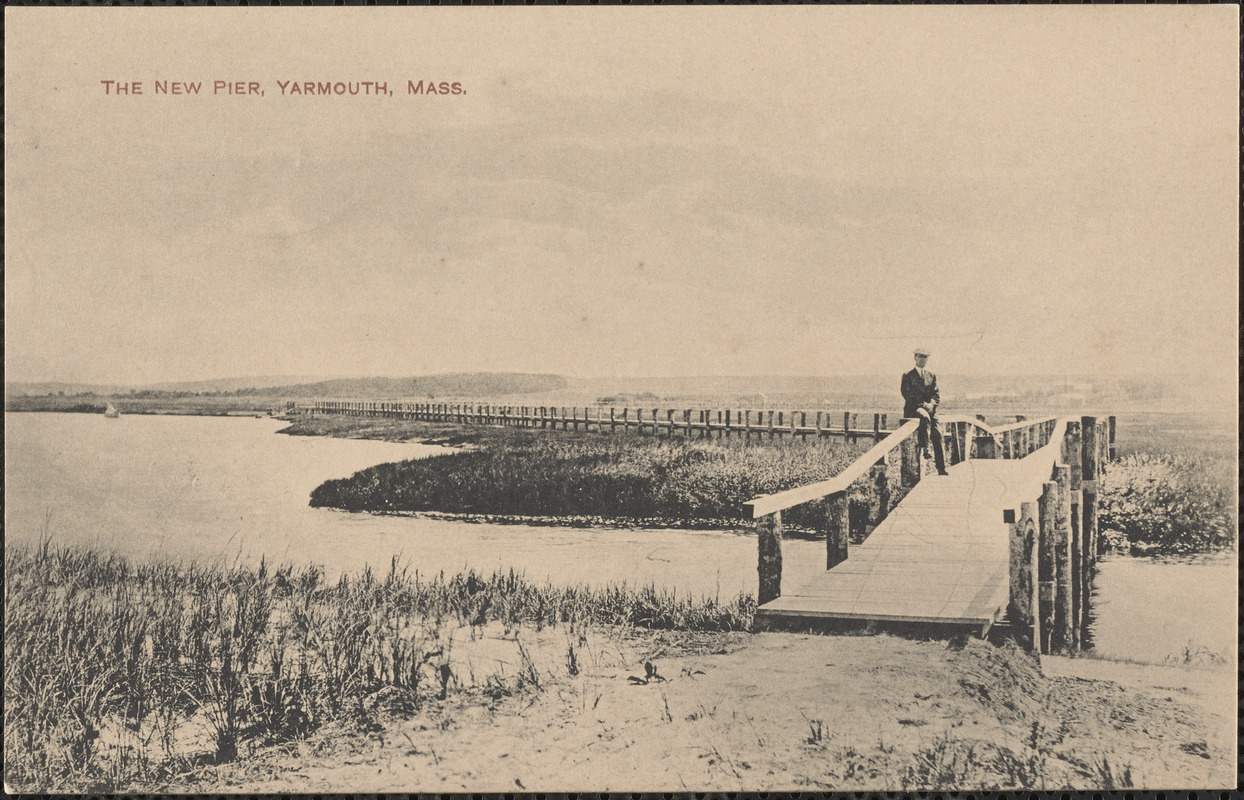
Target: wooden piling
(1046,566)
(1112,453)
(769,564)
(1081,587)
(1064,570)
(879,494)
(837,529)
(1089,468)
(912,463)
(1072,456)
(1023,548)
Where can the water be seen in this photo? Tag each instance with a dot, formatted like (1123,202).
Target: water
(220,489)
(1166,610)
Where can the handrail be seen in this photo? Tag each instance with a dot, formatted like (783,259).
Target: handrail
(1017,425)
(1001,428)
(1039,471)
(769,503)
(779,501)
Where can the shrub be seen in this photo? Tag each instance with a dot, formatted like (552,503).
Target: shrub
(1167,503)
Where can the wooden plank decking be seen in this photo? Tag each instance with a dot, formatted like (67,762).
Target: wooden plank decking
(941,556)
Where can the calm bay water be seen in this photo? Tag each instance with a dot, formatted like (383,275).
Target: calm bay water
(215,488)
(1166,610)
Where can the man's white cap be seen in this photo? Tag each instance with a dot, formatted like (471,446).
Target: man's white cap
(921,351)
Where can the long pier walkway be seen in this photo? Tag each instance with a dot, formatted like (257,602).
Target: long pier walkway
(942,555)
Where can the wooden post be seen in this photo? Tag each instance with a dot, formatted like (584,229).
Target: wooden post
(803,425)
(837,529)
(818,425)
(1046,569)
(876,427)
(1103,438)
(770,424)
(1071,453)
(727,423)
(769,564)
(846,426)
(1023,547)
(792,426)
(1080,587)
(1089,468)
(912,463)
(1112,453)
(1064,571)
(879,493)
(747,425)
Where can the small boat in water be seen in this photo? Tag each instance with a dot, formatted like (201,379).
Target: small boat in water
(111,412)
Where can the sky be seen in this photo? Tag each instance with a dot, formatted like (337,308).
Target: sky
(623,191)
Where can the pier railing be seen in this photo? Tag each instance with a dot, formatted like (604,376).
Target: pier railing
(691,422)
(882,476)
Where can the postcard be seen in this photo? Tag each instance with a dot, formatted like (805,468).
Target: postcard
(543,399)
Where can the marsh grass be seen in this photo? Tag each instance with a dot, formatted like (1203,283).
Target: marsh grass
(112,668)
(620,477)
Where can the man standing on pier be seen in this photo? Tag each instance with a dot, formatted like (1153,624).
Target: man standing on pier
(920,399)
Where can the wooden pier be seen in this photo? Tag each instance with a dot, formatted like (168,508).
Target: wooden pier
(1009,533)
(691,422)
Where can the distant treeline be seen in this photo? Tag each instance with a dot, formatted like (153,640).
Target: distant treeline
(462,384)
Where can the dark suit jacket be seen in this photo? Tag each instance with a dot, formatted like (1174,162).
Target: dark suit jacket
(916,391)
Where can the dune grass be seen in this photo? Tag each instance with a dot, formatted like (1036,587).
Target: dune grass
(110,663)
